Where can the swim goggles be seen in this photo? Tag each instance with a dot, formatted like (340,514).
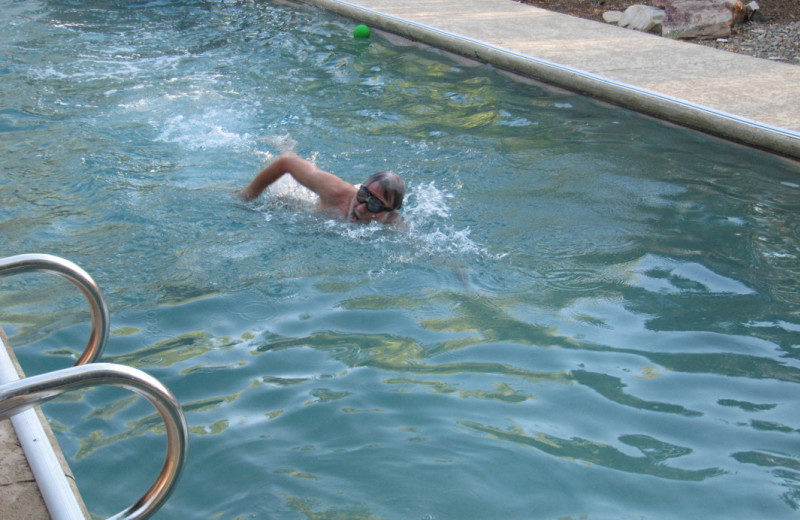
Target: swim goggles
(374,205)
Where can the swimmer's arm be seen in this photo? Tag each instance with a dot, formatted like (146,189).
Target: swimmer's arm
(274,171)
(324,184)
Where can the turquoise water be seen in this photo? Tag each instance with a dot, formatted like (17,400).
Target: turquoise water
(591,315)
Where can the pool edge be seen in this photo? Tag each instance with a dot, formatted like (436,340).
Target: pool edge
(718,123)
(23,490)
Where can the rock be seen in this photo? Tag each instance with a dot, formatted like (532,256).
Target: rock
(642,18)
(752,9)
(612,16)
(705,19)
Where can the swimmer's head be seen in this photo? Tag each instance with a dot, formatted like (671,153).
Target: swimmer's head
(394,189)
(378,198)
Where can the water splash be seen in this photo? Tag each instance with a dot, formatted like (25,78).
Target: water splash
(202,131)
(288,193)
(426,202)
(284,143)
(429,232)
(428,217)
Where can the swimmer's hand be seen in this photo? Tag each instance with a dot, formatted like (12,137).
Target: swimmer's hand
(245,194)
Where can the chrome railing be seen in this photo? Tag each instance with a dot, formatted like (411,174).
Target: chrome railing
(17,396)
(66,269)
(26,393)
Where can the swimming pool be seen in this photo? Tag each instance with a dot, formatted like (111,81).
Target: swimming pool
(592,314)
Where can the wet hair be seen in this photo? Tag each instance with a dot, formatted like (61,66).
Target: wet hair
(393,187)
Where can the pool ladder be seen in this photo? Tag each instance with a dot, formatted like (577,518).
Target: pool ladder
(19,396)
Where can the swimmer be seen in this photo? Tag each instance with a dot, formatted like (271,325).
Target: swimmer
(377,199)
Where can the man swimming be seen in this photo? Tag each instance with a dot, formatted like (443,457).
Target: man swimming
(378,198)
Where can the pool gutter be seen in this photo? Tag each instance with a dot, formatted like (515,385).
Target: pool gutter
(720,123)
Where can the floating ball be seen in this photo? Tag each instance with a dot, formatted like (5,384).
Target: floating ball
(361,31)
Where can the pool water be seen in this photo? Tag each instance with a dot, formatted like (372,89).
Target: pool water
(591,314)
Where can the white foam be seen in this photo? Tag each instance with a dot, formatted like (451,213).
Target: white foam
(284,143)
(426,202)
(290,191)
(201,132)
(430,232)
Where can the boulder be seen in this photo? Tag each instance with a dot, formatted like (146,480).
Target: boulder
(612,16)
(704,19)
(643,18)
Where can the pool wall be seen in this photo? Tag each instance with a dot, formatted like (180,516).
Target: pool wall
(761,110)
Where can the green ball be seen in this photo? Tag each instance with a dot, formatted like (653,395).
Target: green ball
(361,31)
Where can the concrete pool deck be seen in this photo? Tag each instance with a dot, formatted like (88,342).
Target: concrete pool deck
(18,489)
(740,98)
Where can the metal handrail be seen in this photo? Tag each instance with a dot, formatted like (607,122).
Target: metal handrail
(97,304)
(26,393)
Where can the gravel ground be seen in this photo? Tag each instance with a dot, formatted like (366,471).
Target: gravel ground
(778,42)
(774,34)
